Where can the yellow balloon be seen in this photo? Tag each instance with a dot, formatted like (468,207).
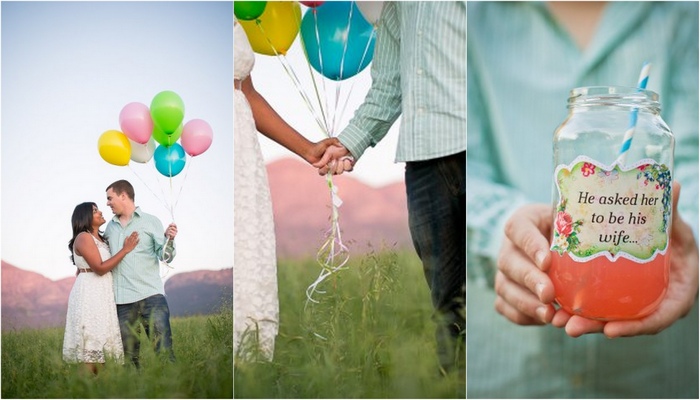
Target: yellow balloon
(279,26)
(114,147)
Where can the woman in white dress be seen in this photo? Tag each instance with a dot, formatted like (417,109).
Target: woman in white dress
(255,303)
(92,327)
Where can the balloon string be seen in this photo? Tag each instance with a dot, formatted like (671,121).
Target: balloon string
(352,85)
(182,185)
(323,82)
(333,254)
(345,45)
(161,200)
(290,73)
(323,110)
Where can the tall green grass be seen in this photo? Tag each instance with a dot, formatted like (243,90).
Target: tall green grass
(32,365)
(370,336)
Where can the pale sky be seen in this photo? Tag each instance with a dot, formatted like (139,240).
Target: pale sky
(68,68)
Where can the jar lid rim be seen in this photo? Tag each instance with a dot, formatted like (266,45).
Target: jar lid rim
(612,90)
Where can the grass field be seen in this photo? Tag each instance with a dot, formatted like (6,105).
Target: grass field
(371,336)
(32,366)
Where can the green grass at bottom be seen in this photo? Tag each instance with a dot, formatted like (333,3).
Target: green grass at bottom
(370,336)
(32,365)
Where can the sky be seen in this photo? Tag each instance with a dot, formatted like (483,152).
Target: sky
(68,68)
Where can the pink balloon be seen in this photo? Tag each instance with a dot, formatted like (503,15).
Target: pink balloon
(196,137)
(312,4)
(136,123)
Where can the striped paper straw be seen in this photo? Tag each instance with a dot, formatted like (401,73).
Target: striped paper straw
(629,133)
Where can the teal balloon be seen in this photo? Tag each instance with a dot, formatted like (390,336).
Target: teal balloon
(346,40)
(169,160)
(166,140)
(248,10)
(168,111)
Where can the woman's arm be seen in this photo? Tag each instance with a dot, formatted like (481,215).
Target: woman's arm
(85,247)
(271,124)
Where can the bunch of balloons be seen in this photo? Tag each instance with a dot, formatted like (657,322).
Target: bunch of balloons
(142,127)
(338,36)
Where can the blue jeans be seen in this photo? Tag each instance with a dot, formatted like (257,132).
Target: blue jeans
(436,194)
(153,313)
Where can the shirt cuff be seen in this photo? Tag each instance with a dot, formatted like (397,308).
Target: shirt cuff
(356,140)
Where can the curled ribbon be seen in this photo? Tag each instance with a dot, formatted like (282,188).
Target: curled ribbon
(333,254)
(166,255)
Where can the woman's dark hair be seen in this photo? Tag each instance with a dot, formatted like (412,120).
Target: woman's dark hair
(82,222)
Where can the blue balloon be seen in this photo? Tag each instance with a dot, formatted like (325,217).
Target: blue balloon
(169,160)
(345,39)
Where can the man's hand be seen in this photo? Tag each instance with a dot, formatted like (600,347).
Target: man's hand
(318,150)
(336,159)
(171,231)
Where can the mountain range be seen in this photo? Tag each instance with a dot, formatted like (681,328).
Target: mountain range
(30,300)
(370,219)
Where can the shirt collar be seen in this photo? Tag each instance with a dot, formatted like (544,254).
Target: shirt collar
(137,213)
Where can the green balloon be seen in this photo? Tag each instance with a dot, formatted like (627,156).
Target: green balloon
(248,10)
(168,111)
(165,139)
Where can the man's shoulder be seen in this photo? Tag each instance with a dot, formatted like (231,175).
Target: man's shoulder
(144,215)
(146,218)
(111,224)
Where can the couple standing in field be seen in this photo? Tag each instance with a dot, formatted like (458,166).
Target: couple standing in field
(118,284)
(423,79)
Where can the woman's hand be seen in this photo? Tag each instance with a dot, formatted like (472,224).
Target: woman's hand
(131,241)
(524,291)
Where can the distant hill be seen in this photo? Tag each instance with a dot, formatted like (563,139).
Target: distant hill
(30,300)
(301,207)
(199,292)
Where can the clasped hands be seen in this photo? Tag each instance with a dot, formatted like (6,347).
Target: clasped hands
(330,155)
(525,294)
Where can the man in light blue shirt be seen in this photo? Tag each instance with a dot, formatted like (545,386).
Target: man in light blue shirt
(138,287)
(419,72)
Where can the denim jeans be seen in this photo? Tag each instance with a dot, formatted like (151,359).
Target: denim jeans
(153,313)
(436,194)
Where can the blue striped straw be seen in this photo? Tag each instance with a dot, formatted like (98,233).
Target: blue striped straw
(627,141)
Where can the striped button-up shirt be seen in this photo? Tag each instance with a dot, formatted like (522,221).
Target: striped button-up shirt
(138,275)
(418,72)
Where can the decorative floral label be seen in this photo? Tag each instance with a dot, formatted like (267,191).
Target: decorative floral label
(605,210)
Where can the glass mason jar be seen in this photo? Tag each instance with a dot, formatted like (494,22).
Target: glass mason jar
(612,204)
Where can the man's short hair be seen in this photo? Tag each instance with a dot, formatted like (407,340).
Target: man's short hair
(122,186)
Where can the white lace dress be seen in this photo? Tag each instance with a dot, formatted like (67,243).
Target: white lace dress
(92,327)
(255,303)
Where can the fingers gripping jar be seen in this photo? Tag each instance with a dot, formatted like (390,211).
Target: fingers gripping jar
(612,207)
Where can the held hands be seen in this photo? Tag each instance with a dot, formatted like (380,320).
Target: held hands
(336,159)
(525,293)
(317,150)
(171,231)
(131,241)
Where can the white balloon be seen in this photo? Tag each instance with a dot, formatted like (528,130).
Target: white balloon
(142,153)
(371,10)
